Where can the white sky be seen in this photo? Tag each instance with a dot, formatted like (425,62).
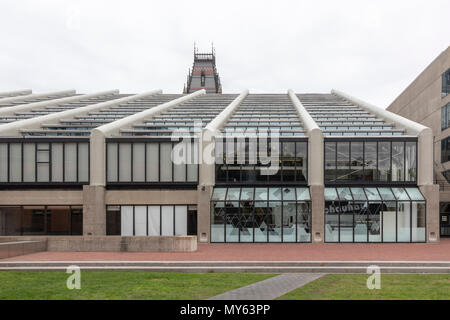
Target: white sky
(370,50)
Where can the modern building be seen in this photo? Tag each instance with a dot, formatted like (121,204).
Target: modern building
(427,101)
(226,167)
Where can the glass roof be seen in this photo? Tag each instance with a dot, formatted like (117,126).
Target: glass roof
(22,115)
(261,194)
(259,113)
(373,194)
(337,117)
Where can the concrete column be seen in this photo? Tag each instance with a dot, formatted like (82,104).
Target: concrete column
(94,211)
(431,194)
(318,207)
(203,212)
(315,168)
(207,169)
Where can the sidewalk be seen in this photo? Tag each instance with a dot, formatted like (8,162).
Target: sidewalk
(266,252)
(269,289)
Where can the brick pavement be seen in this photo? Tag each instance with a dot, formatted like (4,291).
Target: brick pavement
(267,252)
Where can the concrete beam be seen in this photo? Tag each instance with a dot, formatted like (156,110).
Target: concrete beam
(222,118)
(8,94)
(315,142)
(14,128)
(424,134)
(99,134)
(37,95)
(207,166)
(6,111)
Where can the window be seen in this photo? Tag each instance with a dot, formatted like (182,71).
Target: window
(370,161)
(202,79)
(41,220)
(374,214)
(241,162)
(52,162)
(151,220)
(151,162)
(261,214)
(445,149)
(445,116)
(445,83)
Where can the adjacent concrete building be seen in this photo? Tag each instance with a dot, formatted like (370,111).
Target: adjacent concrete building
(427,101)
(223,167)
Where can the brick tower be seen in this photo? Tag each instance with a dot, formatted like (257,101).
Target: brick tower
(204,73)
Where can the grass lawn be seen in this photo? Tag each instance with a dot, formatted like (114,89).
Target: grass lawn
(122,285)
(393,286)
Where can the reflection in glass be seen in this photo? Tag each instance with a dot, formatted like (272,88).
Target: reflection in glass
(303,222)
(374,221)
(289,222)
(331,221)
(418,221)
(217,221)
(330,161)
(404,221)
(384,161)
(398,161)
(370,161)
(360,226)
(343,161)
(357,161)
(232,222)
(389,217)
(411,169)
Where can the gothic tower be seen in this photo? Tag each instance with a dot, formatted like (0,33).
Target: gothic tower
(204,73)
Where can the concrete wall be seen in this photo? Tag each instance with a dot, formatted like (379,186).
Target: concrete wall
(10,249)
(421,101)
(30,244)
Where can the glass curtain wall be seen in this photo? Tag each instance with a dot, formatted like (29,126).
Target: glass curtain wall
(380,214)
(260,214)
(178,220)
(41,220)
(152,162)
(240,161)
(45,162)
(370,161)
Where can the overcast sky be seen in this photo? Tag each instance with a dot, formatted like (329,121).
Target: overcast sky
(370,50)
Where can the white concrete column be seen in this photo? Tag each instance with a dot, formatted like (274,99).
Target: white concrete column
(208,166)
(315,167)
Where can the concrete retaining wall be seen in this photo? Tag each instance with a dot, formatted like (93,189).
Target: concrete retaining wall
(19,248)
(112,243)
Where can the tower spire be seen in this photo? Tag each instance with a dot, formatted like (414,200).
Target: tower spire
(204,74)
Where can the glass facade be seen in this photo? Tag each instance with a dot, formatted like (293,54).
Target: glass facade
(41,220)
(370,161)
(151,162)
(381,214)
(238,163)
(44,162)
(151,220)
(261,214)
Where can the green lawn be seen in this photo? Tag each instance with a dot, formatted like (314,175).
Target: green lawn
(122,285)
(393,286)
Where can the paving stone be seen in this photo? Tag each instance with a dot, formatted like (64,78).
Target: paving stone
(269,289)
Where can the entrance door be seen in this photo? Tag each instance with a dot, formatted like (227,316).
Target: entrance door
(445,219)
